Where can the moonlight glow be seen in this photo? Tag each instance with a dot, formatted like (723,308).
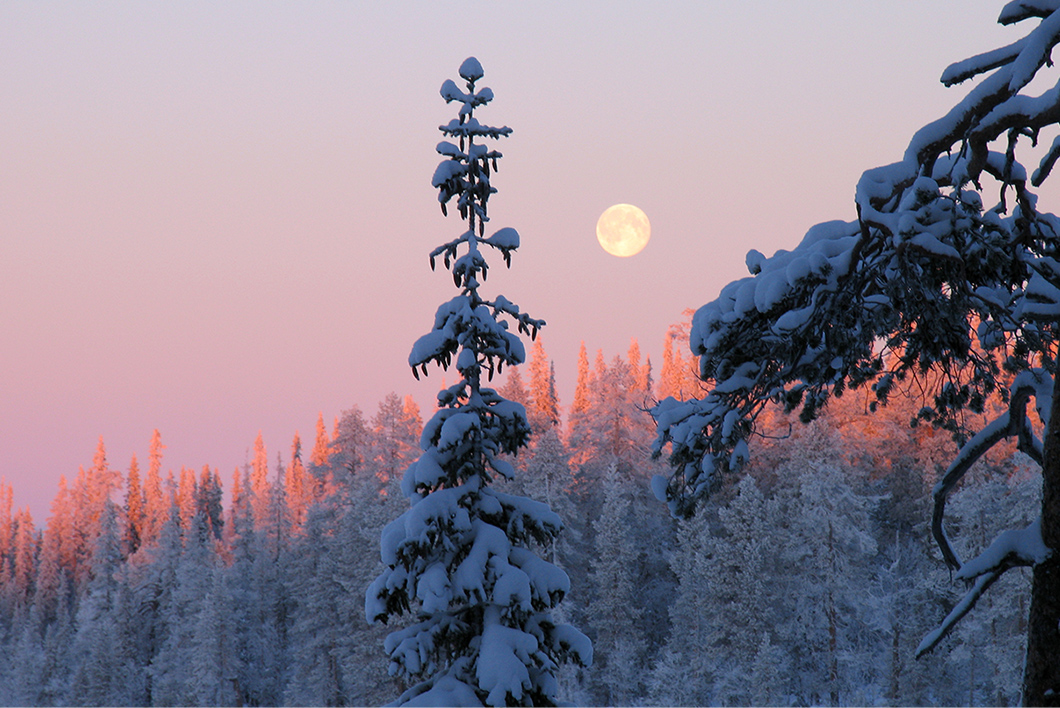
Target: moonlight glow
(623,230)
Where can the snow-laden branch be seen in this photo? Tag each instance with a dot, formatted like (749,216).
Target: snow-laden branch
(1020,10)
(1014,547)
(957,613)
(981,63)
(930,284)
(1011,549)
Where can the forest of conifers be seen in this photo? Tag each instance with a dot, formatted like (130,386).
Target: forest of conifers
(811,579)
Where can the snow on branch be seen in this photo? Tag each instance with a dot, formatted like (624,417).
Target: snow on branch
(1014,547)
(1011,549)
(957,613)
(930,284)
(981,63)
(462,554)
(925,263)
(1020,10)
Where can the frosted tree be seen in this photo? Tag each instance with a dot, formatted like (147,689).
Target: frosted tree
(578,417)
(96,679)
(348,452)
(156,505)
(134,509)
(462,553)
(316,676)
(613,611)
(173,682)
(926,279)
(829,548)
(544,402)
(993,642)
(395,432)
(685,672)
(211,647)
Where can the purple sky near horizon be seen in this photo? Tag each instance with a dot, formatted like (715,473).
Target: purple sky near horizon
(215,218)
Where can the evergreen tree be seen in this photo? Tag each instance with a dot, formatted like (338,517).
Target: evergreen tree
(578,417)
(349,451)
(209,501)
(156,505)
(462,551)
(259,481)
(187,497)
(24,566)
(395,438)
(24,678)
(211,656)
(685,671)
(58,638)
(299,487)
(50,573)
(613,611)
(513,388)
(679,376)
(829,547)
(97,643)
(316,676)
(7,529)
(135,515)
(173,682)
(155,593)
(740,585)
(543,409)
(319,458)
(250,633)
(641,373)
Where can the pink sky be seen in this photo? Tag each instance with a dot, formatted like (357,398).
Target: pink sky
(215,218)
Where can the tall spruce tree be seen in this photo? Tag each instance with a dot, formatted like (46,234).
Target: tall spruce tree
(462,552)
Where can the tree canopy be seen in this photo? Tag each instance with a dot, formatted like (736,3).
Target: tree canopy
(948,281)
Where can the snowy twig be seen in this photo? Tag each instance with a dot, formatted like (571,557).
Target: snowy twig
(963,607)
(1011,548)
(1019,10)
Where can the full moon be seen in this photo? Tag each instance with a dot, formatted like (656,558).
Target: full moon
(623,230)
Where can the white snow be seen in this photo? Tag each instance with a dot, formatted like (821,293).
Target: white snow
(1026,545)
(446,691)
(506,238)
(503,659)
(471,69)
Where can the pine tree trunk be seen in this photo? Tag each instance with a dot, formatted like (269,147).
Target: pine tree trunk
(1041,681)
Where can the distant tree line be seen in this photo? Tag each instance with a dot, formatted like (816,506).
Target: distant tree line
(811,581)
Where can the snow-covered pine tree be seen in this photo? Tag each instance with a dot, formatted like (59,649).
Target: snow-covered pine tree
(924,280)
(613,612)
(462,552)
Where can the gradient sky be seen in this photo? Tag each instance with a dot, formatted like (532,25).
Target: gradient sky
(215,217)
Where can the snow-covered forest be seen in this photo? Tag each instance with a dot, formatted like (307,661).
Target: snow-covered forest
(492,536)
(811,580)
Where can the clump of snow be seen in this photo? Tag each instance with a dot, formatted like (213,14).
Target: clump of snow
(471,69)
(1025,545)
